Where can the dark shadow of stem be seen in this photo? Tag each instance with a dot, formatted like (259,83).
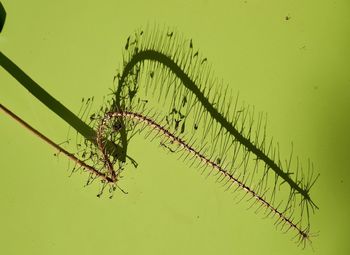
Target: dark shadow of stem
(54,105)
(2,16)
(161,58)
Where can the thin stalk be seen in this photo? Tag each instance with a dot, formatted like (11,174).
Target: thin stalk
(56,146)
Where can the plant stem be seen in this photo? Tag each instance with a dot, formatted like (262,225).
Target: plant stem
(56,146)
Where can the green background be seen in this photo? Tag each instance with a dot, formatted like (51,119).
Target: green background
(296,70)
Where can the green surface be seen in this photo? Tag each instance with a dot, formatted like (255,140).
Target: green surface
(296,70)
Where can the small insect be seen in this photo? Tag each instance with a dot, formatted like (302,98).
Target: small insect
(288,17)
(144,101)
(167,119)
(174,111)
(127,43)
(170,34)
(177,122)
(183,128)
(184,101)
(117,126)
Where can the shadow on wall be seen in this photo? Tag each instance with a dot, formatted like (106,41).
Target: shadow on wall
(49,101)
(2,16)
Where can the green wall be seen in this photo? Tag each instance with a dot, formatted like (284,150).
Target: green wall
(295,69)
